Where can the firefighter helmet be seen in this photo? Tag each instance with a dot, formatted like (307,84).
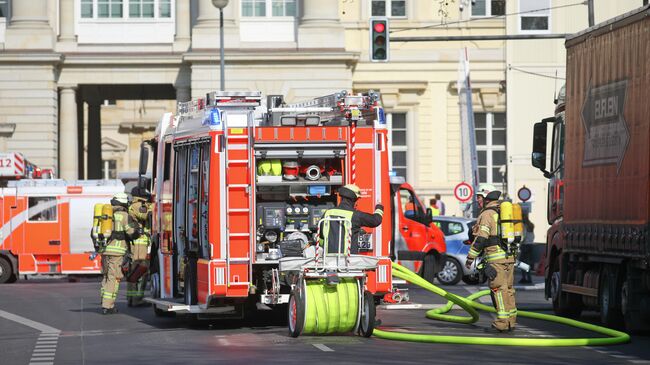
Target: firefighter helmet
(350,191)
(140,193)
(484,189)
(121,199)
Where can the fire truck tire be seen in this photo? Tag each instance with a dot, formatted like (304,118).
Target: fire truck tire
(7,274)
(564,304)
(368,314)
(296,312)
(429,268)
(190,284)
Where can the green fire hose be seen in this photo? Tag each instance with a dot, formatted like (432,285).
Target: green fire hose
(469,305)
(331,308)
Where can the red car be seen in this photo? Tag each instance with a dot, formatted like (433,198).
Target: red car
(417,242)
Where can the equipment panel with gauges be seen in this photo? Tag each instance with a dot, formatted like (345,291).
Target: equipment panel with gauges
(281,225)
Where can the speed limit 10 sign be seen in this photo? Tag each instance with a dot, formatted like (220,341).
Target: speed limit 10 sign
(463,192)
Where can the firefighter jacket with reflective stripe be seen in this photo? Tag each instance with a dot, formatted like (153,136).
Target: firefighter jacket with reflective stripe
(330,232)
(487,240)
(122,230)
(139,213)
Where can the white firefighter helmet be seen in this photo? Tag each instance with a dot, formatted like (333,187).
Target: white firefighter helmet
(484,189)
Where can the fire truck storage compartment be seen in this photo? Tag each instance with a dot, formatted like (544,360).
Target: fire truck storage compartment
(294,188)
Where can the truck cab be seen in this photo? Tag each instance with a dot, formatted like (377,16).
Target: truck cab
(418,243)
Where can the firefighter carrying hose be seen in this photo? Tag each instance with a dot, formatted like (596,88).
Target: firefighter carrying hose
(114,252)
(139,212)
(500,264)
(346,209)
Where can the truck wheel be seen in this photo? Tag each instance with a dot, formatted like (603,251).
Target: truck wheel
(368,314)
(451,271)
(296,312)
(564,304)
(608,298)
(6,272)
(429,268)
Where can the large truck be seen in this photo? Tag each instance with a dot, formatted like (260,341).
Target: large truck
(46,226)
(598,244)
(236,185)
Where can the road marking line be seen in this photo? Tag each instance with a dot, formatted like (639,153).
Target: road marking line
(639,361)
(41,363)
(29,323)
(322,347)
(625,357)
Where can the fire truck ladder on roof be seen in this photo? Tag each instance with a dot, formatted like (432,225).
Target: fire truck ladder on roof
(239,194)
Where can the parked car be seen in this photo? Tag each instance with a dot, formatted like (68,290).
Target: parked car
(456,231)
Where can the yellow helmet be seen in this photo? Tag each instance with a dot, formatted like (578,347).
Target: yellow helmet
(351,191)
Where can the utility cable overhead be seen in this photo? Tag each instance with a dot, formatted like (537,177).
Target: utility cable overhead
(510,67)
(488,17)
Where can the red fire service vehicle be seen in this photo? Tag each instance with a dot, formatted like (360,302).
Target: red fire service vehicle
(238,190)
(46,226)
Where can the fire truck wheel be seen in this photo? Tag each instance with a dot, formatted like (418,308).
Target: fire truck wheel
(368,314)
(429,268)
(296,312)
(6,273)
(609,298)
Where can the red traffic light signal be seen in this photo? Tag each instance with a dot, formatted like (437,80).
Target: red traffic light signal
(378,40)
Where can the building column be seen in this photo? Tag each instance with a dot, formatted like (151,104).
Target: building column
(29,27)
(183,94)
(67,38)
(182,38)
(320,25)
(68,134)
(205,34)
(94,139)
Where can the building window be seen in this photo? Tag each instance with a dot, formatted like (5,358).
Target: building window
(109,169)
(86,8)
(391,8)
(141,8)
(397,125)
(41,209)
(165,8)
(488,8)
(4,9)
(491,147)
(534,21)
(109,8)
(264,8)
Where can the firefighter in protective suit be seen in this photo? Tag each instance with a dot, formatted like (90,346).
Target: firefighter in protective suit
(139,212)
(346,209)
(114,252)
(500,264)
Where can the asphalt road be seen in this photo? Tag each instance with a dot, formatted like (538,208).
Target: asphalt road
(58,322)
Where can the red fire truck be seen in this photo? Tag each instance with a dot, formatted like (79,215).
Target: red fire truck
(235,187)
(46,226)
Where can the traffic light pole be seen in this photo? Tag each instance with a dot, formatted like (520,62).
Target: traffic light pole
(503,37)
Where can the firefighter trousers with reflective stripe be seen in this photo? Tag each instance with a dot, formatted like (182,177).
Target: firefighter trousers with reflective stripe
(135,291)
(503,296)
(112,274)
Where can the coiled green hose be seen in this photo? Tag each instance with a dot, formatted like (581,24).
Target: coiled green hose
(469,305)
(331,308)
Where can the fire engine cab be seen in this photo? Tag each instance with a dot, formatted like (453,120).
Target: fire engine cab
(240,189)
(46,226)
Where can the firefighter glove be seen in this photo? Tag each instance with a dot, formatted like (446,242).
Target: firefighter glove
(490,272)
(379,206)
(469,262)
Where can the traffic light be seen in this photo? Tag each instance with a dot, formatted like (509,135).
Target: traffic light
(378,40)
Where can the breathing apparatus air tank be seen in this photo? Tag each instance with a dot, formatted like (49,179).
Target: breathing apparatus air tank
(517,218)
(507,227)
(106,221)
(97,215)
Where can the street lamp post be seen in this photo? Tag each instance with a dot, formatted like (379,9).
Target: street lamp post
(220,4)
